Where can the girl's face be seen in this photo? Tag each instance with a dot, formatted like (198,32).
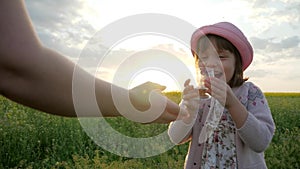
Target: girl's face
(222,61)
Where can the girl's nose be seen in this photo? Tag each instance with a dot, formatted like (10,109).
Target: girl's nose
(211,62)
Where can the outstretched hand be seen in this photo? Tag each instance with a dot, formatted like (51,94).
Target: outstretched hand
(139,97)
(140,94)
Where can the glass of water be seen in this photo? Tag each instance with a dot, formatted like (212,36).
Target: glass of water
(201,74)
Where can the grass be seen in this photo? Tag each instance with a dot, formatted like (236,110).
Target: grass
(31,139)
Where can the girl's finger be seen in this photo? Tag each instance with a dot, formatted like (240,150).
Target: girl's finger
(190,96)
(187,82)
(207,83)
(218,89)
(188,89)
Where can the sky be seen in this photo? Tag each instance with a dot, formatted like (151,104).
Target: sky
(271,26)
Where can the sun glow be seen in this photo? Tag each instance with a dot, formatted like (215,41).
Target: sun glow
(149,57)
(156,76)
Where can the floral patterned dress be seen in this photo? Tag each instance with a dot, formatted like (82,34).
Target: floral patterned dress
(220,150)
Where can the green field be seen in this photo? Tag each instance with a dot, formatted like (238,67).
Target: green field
(30,139)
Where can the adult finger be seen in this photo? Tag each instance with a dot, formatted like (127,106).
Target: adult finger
(153,86)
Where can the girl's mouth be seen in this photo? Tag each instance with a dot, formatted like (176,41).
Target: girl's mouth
(218,74)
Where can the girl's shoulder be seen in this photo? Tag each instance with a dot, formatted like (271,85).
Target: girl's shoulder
(249,94)
(251,86)
(248,89)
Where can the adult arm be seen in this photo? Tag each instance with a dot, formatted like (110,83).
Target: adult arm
(41,78)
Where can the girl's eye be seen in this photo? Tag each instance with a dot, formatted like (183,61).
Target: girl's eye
(203,57)
(222,56)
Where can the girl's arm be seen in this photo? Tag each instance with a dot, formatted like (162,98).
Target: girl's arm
(254,123)
(221,91)
(259,127)
(180,131)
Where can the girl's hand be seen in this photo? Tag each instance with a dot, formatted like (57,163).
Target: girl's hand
(189,92)
(220,90)
(189,102)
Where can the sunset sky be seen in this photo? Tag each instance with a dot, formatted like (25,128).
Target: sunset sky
(272,27)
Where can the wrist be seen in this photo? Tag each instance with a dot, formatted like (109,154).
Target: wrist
(137,102)
(231,103)
(231,100)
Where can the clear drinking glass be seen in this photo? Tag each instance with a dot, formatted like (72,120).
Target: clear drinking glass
(201,74)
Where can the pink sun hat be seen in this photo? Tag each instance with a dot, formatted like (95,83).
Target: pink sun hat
(230,32)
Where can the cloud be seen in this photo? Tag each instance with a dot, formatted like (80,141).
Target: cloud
(269,51)
(272,25)
(259,3)
(270,45)
(271,18)
(257,73)
(259,43)
(60,25)
(283,75)
(290,42)
(49,13)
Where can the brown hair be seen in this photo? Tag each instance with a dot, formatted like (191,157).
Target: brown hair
(223,44)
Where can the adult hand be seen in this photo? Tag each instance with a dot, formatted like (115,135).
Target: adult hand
(140,96)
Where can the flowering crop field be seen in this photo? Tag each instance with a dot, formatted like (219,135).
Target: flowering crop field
(31,139)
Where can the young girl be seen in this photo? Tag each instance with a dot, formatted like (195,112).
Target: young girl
(245,125)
